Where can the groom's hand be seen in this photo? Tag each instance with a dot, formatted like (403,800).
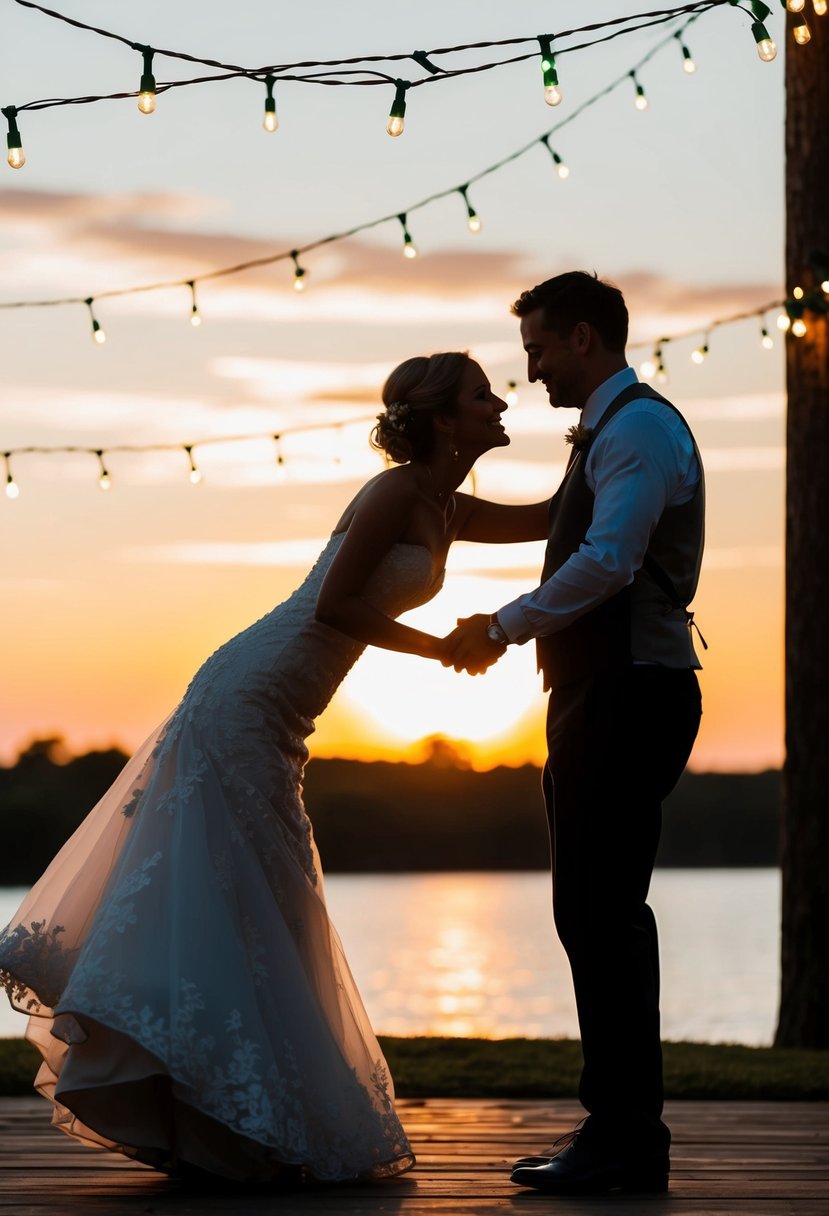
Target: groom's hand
(469,648)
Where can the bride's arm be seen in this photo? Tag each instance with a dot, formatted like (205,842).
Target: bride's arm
(380,519)
(498,522)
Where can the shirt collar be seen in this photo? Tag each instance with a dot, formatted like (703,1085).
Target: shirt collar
(601,397)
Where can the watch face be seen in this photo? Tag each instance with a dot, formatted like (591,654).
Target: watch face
(496,634)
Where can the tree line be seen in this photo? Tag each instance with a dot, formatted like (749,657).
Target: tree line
(394,817)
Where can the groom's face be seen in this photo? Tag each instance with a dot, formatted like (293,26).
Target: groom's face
(554,359)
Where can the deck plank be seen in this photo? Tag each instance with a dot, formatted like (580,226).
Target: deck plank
(729,1159)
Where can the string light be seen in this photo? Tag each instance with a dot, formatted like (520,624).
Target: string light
(799,327)
(511,395)
(552,92)
(397,112)
(562,169)
(16,156)
(12,488)
(98,332)
(270,122)
(640,100)
(798,293)
(647,369)
(795,6)
(409,250)
(661,369)
(104,479)
(687,58)
(766,340)
(146,89)
(299,272)
(801,31)
(195,471)
(701,353)
(820,7)
(784,322)
(195,315)
(473,223)
(766,47)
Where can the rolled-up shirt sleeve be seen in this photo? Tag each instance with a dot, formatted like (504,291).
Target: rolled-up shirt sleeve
(635,470)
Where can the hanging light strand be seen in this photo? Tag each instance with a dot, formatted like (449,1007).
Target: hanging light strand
(342,74)
(331,238)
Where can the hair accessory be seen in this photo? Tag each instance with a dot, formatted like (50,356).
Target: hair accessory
(397,414)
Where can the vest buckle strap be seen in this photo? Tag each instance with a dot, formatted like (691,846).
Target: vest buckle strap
(692,625)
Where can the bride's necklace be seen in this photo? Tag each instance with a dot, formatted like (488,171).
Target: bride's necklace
(445,499)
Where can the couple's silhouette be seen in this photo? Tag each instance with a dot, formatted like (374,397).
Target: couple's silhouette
(185,986)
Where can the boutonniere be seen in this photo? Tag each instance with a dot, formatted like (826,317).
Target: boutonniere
(579,435)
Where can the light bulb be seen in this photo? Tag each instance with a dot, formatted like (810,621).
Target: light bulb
(104,482)
(195,318)
(12,488)
(801,31)
(195,476)
(784,322)
(270,121)
(766,48)
(552,95)
(825,286)
(409,250)
(98,333)
(146,87)
(766,340)
(798,293)
(647,369)
(16,156)
(795,6)
(641,102)
(799,327)
(511,395)
(661,375)
(689,65)
(563,171)
(698,356)
(820,7)
(473,223)
(299,272)
(395,123)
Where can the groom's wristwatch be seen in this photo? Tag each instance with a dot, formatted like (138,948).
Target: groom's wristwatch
(495,633)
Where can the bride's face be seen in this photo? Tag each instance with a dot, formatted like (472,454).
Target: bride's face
(477,419)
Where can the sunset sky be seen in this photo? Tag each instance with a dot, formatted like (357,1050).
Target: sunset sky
(112,600)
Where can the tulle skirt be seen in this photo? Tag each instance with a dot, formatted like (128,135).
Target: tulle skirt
(184,984)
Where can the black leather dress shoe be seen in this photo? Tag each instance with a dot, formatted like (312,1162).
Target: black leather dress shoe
(590,1164)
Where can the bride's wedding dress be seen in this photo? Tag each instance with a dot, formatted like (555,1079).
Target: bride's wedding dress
(186,989)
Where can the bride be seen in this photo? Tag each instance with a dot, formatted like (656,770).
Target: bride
(184,985)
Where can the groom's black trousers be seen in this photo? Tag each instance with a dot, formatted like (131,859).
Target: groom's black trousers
(618,743)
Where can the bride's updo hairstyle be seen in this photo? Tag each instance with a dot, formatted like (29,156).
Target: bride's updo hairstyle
(413,393)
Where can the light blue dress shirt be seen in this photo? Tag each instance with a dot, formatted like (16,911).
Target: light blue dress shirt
(642,462)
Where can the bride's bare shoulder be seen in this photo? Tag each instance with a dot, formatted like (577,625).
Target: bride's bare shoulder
(395,485)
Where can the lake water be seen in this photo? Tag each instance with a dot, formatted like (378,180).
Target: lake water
(476,954)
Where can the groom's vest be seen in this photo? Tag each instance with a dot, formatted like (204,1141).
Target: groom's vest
(647,621)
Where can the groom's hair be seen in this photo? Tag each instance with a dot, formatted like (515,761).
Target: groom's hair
(578,296)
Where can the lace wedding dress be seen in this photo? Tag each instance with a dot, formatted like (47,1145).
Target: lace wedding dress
(186,989)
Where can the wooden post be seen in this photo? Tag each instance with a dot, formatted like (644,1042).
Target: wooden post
(804,1004)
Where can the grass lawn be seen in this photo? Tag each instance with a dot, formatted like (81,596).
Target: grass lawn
(546,1068)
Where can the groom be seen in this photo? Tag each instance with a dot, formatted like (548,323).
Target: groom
(614,644)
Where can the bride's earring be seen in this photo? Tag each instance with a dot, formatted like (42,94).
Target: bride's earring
(453,451)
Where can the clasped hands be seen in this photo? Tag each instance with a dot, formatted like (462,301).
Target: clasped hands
(468,648)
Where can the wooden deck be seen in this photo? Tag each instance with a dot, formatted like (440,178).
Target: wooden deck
(752,1158)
